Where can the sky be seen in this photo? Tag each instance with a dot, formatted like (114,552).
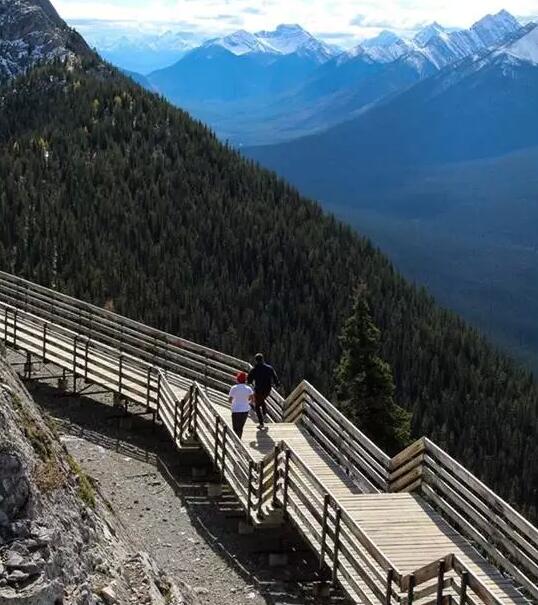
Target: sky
(340,21)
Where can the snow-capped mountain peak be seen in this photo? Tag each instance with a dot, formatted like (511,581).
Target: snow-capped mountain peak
(241,43)
(386,47)
(284,40)
(492,29)
(425,35)
(385,38)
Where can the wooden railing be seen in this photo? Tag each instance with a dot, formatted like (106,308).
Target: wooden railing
(362,460)
(168,380)
(190,360)
(500,532)
(342,547)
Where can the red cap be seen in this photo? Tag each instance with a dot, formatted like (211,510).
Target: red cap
(241,377)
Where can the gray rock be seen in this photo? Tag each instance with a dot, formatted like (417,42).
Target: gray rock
(13,560)
(14,486)
(17,576)
(108,594)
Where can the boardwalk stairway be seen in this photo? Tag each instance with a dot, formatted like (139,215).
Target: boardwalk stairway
(417,528)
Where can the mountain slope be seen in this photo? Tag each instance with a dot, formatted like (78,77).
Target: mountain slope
(416,173)
(111,194)
(32,31)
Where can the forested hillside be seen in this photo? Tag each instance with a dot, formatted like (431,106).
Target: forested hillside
(110,194)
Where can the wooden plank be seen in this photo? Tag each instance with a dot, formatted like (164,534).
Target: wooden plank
(415,449)
(497,556)
(348,426)
(335,443)
(500,506)
(325,420)
(485,523)
(411,478)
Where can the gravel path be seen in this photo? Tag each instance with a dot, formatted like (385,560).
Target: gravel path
(192,537)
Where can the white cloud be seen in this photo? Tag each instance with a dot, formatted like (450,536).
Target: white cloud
(346,18)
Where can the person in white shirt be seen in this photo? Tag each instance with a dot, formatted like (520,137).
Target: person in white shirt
(241,398)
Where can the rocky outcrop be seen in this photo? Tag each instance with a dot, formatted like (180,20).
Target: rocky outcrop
(60,544)
(32,31)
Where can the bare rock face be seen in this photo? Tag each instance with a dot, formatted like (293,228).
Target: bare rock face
(32,31)
(59,544)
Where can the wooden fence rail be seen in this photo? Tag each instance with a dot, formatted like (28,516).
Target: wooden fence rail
(504,535)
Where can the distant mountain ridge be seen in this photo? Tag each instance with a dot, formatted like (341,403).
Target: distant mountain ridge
(242,66)
(443,47)
(284,40)
(32,31)
(268,87)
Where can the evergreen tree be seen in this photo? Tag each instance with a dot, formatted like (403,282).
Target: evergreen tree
(365,386)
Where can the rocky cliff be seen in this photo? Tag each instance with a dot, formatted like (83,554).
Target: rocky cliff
(32,31)
(60,543)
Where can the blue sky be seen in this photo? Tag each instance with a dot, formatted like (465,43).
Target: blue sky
(331,19)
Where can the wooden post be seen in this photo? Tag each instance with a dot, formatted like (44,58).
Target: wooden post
(275,475)
(120,373)
(336,542)
(390,578)
(326,502)
(86,350)
(75,345)
(260,487)
(45,332)
(464,584)
(216,452)
(182,415)
(223,458)
(28,365)
(411,589)
(195,413)
(286,480)
(440,582)
(158,392)
(15,313)
(249,494)
(176,402)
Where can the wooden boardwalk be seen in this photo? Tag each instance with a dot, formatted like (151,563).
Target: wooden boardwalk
(402,526)
(417,528)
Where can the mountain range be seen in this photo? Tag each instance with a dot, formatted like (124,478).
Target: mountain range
(139,51)
(270,87)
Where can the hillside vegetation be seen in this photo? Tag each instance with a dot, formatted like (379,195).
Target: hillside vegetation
(110,194)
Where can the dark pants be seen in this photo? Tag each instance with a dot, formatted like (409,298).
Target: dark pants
(260,404)
(238,422)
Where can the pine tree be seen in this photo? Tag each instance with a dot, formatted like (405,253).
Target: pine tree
(364,382)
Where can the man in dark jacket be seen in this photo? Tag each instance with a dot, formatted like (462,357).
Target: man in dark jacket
(263,377)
